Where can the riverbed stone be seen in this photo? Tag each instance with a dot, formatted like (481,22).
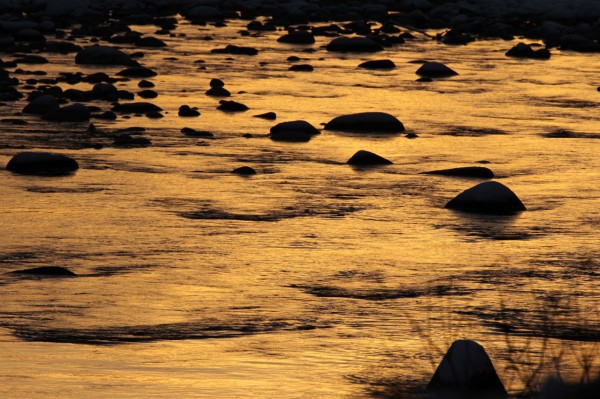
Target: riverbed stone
(467,171)
(432,69)
(42,163)
(466,371)
(103,55)
(488,197)
(367,158)
(366,122)
(353,45)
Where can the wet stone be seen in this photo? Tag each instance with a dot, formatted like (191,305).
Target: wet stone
(42,163)
(186,111)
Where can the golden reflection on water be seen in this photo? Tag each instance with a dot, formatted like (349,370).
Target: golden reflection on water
(321,276)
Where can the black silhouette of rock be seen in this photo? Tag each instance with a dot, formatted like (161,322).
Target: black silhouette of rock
(186,111)
(103,55)
(145,84)
(433,69)
(297,37)
(136,108)
(366,122)
(214,82)
(149,41)
(137,72)
(301,68)
(267,115)
(522,50)
(244,171)
(367,158)
(217,91)
(46,271)
(31,59)
(468,171)
(188,131)
(378,64)
(488,197)
(127,140)
(69,113)
(466,371)
(42,163)
(147,93)
(353,45)
(293,131)
(231,106)
(41,105)
(236,50)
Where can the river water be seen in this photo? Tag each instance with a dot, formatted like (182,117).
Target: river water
(310,278)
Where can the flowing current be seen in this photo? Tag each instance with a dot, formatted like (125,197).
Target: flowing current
(310,278)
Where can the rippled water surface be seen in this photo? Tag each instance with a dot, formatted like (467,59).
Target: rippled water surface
(311,278)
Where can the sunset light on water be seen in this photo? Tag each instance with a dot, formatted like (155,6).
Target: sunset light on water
(312,277)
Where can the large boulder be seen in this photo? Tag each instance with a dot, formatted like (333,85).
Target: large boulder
(366,122)
(42,163)
(466,371)
(467,171)
(522,50)
(432,69)
(353,45)
(378,64)
(69,113)
(41,105)
(367,158)
(297,37)
(488,197)
(103,55)
(294,126)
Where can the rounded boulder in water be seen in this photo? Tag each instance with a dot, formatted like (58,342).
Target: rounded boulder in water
(433,69)
(42,163)
(366,122)
(353,45)
(367,158)
(467,171)
(488,197)
(103,55)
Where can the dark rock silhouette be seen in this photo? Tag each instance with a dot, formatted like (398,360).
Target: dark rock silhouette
(196,133)
(236,50)
(293,131)
(69,113)
(301,68)
(244,171)
(367,158)
(467,171)
(433,69)
(146,84)
(127,140)
(136,108)
(366,122)
(42,163)
(231,106)
(354,45)
(103,55)
(378,64)
(522,50)
(41,105)
(46,271)
(488,197)
(218,91)
(297,37)
(186,111)
(466,371)
(137,72)
(267,115)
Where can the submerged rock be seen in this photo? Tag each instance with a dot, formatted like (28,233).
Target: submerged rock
(136,108)
(185,110)
(42,163)
(467,171)
(137,72)
(46,271)
(244,171)
(218,91)
(297,37)
(367,158)
(466,371)
(231,106)
(103,55)
(366,122)
(378,64)
(69,113)
(267,115)
(236,50)
(523,50)
(433,69)
(301,68)
(353,45)
(293,131)
(488,197)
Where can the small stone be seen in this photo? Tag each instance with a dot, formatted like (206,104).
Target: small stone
(244,171)
(433,69)
(268,115)
(186,111)
(231,106)
(378,64)
(367,158)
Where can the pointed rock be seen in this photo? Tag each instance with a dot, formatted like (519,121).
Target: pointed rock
(466,371)
(432,69)
(488,197)
(367,158)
